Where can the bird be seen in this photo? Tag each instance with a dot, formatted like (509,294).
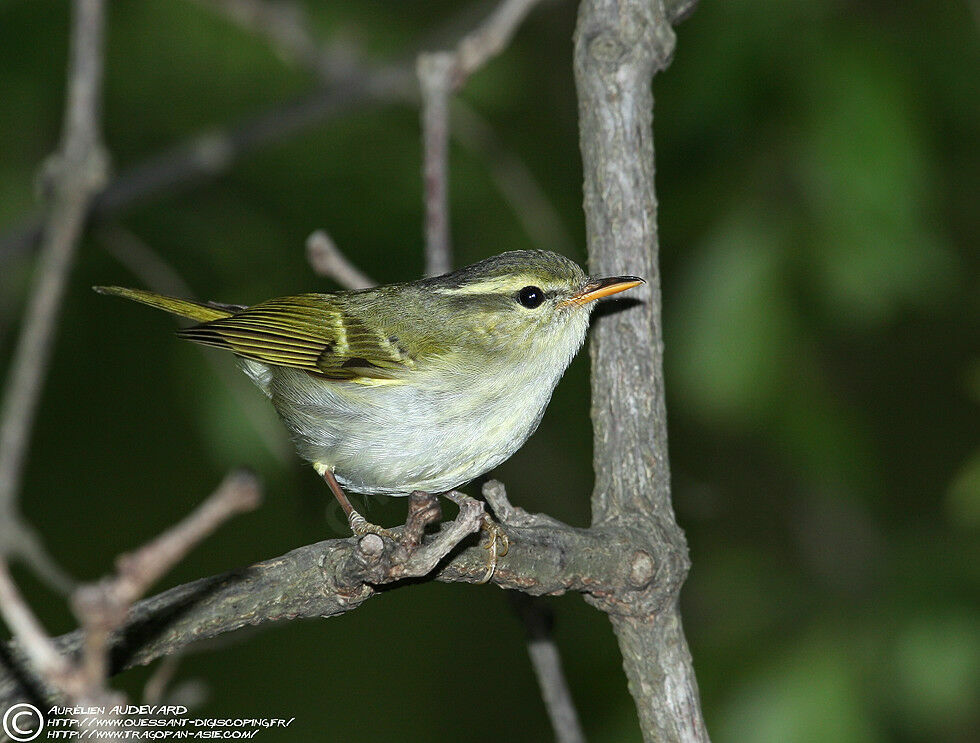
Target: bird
(416,386)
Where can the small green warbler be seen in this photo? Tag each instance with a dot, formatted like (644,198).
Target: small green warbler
(417,386)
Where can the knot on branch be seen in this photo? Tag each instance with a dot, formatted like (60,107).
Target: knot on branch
(652,573)
(74,170)
(633,40)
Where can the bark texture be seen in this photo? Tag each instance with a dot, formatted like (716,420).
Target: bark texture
(619,46)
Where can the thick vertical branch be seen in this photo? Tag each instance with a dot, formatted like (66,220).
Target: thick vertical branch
(619,45)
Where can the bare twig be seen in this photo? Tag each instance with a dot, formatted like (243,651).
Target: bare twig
(137,571)
(538,619)
(155,689)
(327,260)
(283,22)
(103,607)
(212,153)
(28,631)
(286,28)
(441,73)
(495,495)
(75,174)
(487,41)
(435,73)
(347,84)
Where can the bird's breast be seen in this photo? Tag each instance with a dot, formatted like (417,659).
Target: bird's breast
(433,432)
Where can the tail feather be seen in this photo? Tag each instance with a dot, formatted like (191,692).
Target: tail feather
(184,307)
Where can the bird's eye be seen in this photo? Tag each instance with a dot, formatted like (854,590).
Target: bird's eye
(530,297)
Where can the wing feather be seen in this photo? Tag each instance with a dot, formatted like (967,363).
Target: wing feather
(310,332)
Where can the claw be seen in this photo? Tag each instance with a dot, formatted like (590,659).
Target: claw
(361,526)
(497,545)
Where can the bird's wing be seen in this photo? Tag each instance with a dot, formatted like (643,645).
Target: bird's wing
(309,332)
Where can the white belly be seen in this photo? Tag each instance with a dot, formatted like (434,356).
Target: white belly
(398,438)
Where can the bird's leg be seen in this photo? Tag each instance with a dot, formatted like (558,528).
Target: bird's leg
(358,524)
(497,543)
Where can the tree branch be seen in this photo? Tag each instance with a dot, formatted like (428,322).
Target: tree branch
(326,259)
(74,175)
(546,661)
(441,73)
(328,579)
(619,45)
(102,607)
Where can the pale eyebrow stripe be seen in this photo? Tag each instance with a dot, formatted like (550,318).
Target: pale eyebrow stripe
(501,284)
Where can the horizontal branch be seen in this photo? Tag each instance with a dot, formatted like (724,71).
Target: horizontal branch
(326,579)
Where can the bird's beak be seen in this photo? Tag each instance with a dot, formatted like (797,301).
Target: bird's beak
(602,288)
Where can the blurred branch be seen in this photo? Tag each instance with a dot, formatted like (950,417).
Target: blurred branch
(348,83)
(619,46)
(287,30)
(284,23)
(103,607)
(327,260)
(212,153)
(435,73)
(440,74)
(73,175)
(538,619)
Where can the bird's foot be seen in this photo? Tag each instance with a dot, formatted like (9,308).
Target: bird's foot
(497,545)
(361,527)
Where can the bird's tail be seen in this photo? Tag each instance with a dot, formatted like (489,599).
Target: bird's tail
(184,307)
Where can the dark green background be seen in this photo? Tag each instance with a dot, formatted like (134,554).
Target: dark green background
(817,169)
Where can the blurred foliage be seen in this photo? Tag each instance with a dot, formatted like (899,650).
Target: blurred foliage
(818,175)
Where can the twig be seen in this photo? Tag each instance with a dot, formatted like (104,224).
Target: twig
(287,31)
(441,73)
(326,260)
(487,41)
(212,153)
(283,22)
(28,631)
(103,607)
(75,173)
(538,619)
(139,570)
(435,73)
(347,85)
(495,495)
